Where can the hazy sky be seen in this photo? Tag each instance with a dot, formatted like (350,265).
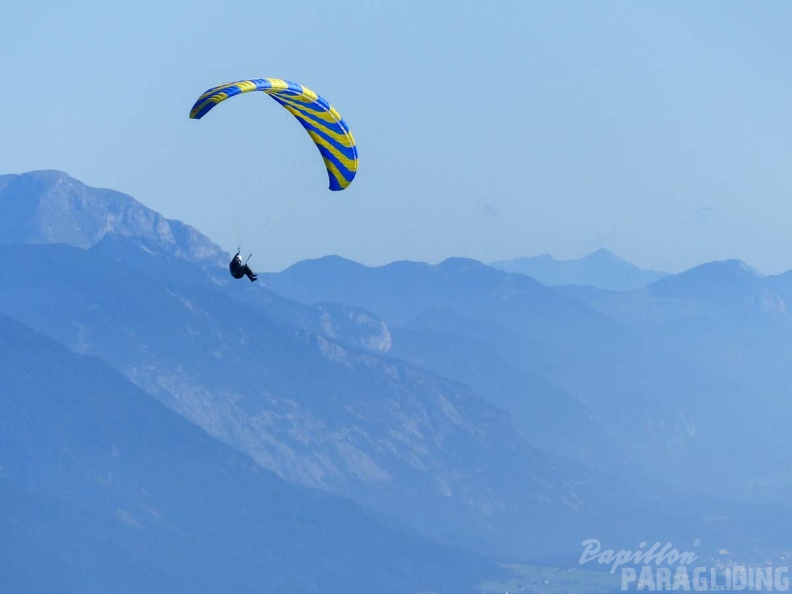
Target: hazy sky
(660,130)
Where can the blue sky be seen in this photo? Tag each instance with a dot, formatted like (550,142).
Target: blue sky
(485,129)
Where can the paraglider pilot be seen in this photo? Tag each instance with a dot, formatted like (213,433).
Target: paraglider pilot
(239,269)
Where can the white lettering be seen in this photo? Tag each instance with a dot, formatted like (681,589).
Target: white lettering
(647,578)
(699,583)
(628,577)
(663,580)
(781,583)
(681,580)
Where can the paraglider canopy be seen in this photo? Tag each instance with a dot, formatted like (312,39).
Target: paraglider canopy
(324,124)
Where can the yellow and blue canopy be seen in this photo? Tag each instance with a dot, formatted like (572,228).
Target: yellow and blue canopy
(323,123)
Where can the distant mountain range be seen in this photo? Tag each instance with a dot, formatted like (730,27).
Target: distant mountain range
(658,405)
(316,411)
(436,408)
(725,317)
(602,269)
(103,489)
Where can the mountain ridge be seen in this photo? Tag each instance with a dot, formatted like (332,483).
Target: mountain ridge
(107,485)
(601,269)
(56,208)
(590,354)
(295,402)
(366,389)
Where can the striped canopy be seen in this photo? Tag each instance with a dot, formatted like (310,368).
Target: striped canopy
(323,123)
